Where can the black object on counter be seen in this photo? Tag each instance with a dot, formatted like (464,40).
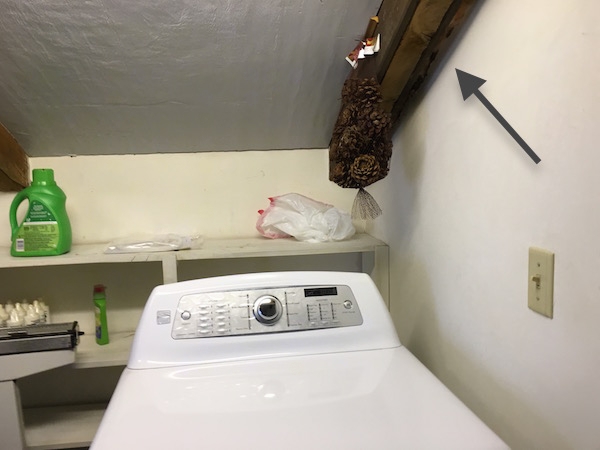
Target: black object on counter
(39,338)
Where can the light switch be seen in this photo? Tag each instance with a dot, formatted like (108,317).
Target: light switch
(540,294)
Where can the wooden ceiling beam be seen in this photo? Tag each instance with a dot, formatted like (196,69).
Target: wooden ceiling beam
(423,26)
(433,54)
(394,17)
(14,163)
(415,34)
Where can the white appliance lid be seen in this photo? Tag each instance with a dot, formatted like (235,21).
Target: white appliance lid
(356,400)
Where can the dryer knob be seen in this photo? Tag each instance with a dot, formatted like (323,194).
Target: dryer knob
(267,309)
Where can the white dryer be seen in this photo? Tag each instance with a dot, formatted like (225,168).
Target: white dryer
(290,360)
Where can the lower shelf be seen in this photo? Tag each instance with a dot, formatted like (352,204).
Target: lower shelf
(74,426)
(62,427)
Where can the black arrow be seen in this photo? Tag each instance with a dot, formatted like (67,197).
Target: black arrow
(470,84)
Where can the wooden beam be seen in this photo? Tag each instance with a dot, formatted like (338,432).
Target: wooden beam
(394,17)
(431,57)
(14,164)
(423,25)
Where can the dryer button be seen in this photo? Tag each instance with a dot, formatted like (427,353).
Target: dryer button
(186,315)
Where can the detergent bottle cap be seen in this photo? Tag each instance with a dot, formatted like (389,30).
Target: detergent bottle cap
(43,177)
(99,288)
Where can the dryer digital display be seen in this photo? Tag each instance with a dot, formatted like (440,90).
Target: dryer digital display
(254,311)
(320,292)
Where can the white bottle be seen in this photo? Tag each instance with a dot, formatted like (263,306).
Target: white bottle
(32,317)
(3,316)
(14,320)
(40,311)
(46,310)
(20,310)
(9,307)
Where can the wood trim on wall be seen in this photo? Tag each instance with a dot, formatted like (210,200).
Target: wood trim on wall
(14,163)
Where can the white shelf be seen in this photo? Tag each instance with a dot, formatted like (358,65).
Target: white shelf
(115,353)
(62,427)
(248,247)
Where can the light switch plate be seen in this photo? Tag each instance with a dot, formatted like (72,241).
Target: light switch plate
(540,294)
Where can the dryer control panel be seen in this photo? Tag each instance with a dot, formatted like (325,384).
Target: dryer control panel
(265,311)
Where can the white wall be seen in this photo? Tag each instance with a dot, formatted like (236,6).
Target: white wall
(214,194)
(464,202)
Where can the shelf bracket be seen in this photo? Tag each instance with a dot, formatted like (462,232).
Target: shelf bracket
(169,266)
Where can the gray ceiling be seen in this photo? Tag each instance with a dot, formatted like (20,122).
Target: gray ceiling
(145,76)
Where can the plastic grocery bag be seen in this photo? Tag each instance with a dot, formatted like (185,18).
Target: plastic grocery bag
(305,219)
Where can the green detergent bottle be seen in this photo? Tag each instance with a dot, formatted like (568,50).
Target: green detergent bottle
(46,229)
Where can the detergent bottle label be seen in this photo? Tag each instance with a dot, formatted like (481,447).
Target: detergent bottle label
(98,324)
(39,230)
